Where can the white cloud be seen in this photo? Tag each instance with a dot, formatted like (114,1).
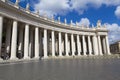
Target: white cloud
(117,12)
(82,5)
(84,22)
(114,32)
(53,7)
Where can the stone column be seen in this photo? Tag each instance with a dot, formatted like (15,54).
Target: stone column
(53,44)
(66,44)
(20,41)
(99,44)
(1,27)
(89,45)
(60,44)
(8,37)
(95,45)
(26,42)
(78,45)
(14,40)
(107,44)
(72,45)
(45,44)
(31,42)
(36,43)
(104,45)
(84,45)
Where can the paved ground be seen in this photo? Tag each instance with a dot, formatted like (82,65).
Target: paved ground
(65,69)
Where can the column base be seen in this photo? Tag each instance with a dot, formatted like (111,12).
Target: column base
(84,54)
(66,55)
(26,58)
(96,54)
(79,55)
(109,53)
(101,54)
(45,57)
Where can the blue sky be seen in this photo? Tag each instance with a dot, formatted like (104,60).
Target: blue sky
(85,12)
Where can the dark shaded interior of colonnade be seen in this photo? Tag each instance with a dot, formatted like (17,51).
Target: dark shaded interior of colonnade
(6,38)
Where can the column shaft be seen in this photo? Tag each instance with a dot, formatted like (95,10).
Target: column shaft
(60,44)
(89,45)
(107,44)
(84,45)
(26,42)
(78,45)
(1,27)
(66,44)
(99,43)
(53,44)
(14,40)
(95,45)
(45,44)
(36,43)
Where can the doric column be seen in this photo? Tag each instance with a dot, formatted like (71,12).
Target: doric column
(99,44)
(53,43)
(36,43)
(66,44)
(8,37)
(60,44)
(72,44)
(45,43)
(1,26)
(104,45)
(14,40)
(95,45)
(20,41)
(78,45)
(107,44)
(26,42)
(31,42)
(89,45)
(84,45)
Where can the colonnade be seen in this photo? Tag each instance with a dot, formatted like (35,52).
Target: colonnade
(35,42)
(24,35)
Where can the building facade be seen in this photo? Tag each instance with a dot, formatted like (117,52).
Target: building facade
(115,48)
(26,35)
